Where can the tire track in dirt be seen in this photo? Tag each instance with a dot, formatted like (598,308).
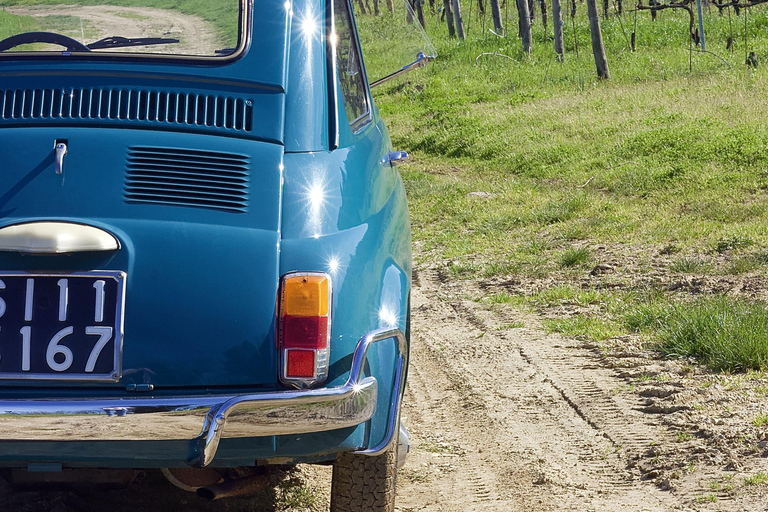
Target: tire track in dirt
(513,419)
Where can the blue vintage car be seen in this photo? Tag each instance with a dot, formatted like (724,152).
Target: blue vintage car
(204,247)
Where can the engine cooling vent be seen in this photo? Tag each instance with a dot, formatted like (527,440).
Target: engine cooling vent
(181,177)
(126,105)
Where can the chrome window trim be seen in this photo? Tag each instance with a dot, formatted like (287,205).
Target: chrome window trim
(360,123)
(333,79)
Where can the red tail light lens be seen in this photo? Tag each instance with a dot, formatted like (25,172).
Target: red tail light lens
(304,328)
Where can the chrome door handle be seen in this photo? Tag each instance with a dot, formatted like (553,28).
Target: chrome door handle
(59,150)
(395,158)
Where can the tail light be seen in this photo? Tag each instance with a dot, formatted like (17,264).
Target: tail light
(304,328)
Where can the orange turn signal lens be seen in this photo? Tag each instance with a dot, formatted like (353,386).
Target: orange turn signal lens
(305,295)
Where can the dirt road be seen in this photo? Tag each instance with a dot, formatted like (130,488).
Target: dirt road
(505,417)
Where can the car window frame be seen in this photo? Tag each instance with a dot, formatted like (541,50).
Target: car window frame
(361,122)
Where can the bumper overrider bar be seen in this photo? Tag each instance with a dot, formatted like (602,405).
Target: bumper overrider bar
(220,416)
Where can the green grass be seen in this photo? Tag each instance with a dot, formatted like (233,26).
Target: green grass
(724,333)
(584,326)
(660,170)
(689,265)
(574,257)
(744,264)
(557,295)
(656,156)
(761,420)
(757,479)
(11,24)
(732,243)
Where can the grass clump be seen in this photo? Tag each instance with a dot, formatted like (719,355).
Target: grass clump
(743,265)
(562,210)
(506,298)
(724,333)
(689,265)
(732,243)
(760,420)
(586,327)
(574,257)
(757,479)
(569,294)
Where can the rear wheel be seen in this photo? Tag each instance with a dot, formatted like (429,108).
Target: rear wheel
(364,484)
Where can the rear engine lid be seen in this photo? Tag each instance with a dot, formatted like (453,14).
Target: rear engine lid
(196,219)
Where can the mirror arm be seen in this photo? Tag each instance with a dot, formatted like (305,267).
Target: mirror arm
(420,62)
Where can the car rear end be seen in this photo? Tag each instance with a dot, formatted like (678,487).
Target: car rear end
(189,275)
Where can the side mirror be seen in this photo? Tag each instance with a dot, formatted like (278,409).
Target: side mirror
(420,62)
(391,38)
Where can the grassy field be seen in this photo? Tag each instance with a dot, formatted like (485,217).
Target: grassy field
(533,169)
(11,24)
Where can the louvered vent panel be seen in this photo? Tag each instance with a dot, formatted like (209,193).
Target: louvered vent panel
(180,177)
(190,109)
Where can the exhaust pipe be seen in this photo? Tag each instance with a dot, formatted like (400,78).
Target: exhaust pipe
(236,487)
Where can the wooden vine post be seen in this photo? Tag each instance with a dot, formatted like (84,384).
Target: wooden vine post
(524,24)
(557,22)
(496,13)
(449,18)
(598,48)
(459,21)
(420,13)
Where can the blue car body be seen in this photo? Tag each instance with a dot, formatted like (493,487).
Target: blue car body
(273,180)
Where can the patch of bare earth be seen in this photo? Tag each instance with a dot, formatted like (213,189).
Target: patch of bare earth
(507,418)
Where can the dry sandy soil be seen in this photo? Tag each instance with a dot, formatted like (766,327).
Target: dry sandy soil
(506,417)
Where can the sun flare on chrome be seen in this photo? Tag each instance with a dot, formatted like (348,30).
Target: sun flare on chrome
(334,39)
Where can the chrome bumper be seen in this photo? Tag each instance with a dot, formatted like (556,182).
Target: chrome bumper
(221,416)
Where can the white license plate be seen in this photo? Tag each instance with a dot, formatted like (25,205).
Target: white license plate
(61,326)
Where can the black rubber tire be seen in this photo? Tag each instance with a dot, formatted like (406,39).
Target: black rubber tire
(364,484)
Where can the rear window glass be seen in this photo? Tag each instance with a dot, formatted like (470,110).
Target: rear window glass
(168,27)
